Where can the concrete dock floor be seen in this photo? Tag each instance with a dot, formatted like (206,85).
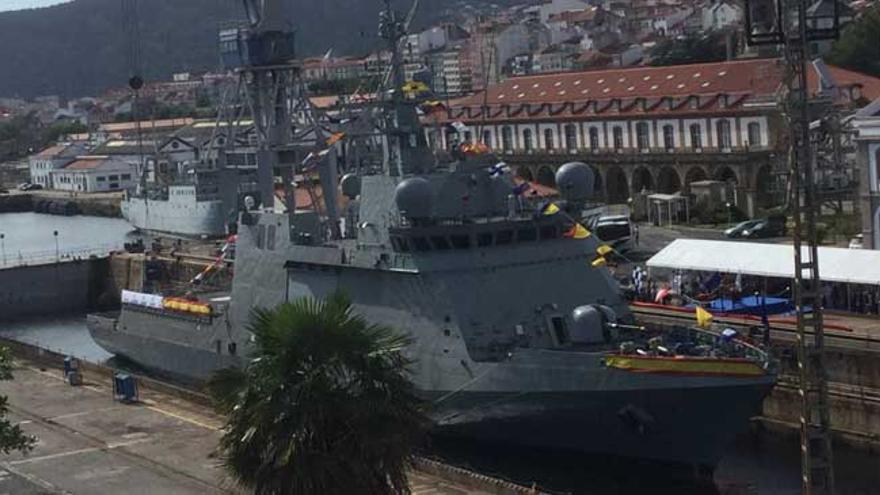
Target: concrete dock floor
(90,444)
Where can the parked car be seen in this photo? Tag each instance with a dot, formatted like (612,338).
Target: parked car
(764,229)
(31,187)
(738,229)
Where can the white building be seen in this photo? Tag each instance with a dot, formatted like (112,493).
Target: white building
(52,158)
(867,125)
(94,174)
(544,10)
(721,14)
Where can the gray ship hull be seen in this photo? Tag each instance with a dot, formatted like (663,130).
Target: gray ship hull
(186,217)
(594,410)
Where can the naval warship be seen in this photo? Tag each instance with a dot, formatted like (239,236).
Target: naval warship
(519,333)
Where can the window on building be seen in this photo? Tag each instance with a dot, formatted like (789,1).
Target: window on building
(642,136)
(594,138)
(468,136)
(548,139)
(723,128)
(570,137)
(487,139)
(506,138)
(101,178)
(668,137)
(126,176)
(618,137)
(696,136)
(754,134)
(527,139)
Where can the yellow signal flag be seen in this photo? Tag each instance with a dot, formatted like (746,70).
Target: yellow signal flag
(604,249)
(578,231)
(704,318)
(600,261)
(415,87)
(335,138)
(550,209)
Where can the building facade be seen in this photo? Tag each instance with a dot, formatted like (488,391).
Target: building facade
(867,125)
(52,158)
(89,174)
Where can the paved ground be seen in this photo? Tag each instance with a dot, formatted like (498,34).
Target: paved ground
(89,444)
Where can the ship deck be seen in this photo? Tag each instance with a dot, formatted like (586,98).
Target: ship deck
(89,443)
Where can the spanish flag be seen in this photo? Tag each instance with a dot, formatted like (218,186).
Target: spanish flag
(577,231)
(335,138)
(600,261)
(604,249)
(549,209)
(704,318)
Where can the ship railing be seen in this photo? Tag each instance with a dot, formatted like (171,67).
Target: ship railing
(44,257)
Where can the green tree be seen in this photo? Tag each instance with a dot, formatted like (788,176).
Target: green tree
(710,47)
(859,45)
(63,128)
(323,406)
(12,438)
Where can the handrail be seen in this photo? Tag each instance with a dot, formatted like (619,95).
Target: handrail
(18,259)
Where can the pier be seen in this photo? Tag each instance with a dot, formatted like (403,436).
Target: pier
(164,443)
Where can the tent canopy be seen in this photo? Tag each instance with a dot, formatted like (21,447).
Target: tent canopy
(854,266)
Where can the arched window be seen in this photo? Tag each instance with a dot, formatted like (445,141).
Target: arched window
(507,138)
(570,137)
(668,137)
(594,138)
(642,136)
(618,137)
(487,139)
(548,139)
(696,136)
(527,140)
(754,134)
(723,128)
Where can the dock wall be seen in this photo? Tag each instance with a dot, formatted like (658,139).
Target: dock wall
(71,286)
(101,205)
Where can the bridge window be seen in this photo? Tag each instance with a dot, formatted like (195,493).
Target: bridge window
(594,138)
(504,237)
(421,244)
(754,134)
(668,137)
(570,137)
(548,139)
(618,137)
(723,128)
(527,139)
(440,242)
(642,138)
(696,136)
(506,138)
(460,241)
(526,235)
(560,332)
(484,239)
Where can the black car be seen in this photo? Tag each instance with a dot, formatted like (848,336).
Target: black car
(764,229)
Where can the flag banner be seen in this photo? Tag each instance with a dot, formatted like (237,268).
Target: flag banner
(415,87)
(600,261)
(604,249)
(498,170)
(704,318)
(335,138)
(577,231)
(549,208)
(474,148)
(521,189)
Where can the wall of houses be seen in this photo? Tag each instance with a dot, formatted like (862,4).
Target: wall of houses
(110,178)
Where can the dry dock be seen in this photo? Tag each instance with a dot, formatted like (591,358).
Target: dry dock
(90,444)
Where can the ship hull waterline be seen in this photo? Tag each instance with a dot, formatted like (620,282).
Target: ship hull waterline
(688,426)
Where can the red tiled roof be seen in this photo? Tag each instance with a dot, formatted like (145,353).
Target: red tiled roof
(845,77)
(52,151)
(86,163)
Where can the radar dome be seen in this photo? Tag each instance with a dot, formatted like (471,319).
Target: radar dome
(351,185)
(575,181)
(413,198)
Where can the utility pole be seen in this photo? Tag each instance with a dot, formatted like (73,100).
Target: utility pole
(787,23)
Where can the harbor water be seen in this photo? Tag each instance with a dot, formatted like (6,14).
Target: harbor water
(756,464)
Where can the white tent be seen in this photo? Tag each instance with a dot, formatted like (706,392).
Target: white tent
(854,266)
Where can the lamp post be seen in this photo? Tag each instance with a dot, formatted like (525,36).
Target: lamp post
(3,248)
(57,253)
(729,214)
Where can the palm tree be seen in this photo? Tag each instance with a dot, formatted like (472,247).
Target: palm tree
(324,405)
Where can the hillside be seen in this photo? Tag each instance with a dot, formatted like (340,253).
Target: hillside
(79,49)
